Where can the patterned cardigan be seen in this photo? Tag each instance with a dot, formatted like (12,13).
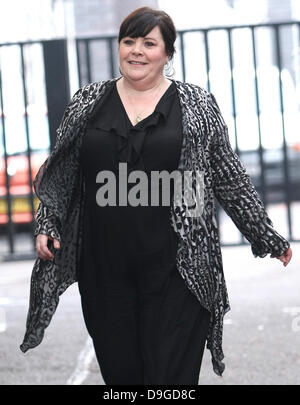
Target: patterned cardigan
(206,147)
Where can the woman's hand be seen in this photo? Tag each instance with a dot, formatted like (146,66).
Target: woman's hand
(286,257)
(42,248)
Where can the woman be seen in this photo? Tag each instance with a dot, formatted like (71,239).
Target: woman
(150,277)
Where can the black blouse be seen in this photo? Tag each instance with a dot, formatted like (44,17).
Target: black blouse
(152,144)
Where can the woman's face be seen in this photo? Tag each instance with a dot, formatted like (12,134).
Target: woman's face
(149,51)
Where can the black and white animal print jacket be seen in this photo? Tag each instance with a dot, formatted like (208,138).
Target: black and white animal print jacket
(60,187)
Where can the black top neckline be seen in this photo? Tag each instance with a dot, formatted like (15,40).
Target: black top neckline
(161,107)
(111,117)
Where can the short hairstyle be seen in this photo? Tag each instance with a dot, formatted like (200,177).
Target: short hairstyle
(142,20)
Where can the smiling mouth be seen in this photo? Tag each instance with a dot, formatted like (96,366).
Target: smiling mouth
(137,63)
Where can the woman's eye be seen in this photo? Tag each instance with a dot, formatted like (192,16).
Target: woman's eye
(129,41)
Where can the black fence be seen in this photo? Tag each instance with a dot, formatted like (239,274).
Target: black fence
(32,98)
(254,72)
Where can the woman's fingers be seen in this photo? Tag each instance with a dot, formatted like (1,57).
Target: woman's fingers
(56,244)
(42,248)
(286,257)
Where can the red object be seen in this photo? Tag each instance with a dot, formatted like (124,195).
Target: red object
(19,187)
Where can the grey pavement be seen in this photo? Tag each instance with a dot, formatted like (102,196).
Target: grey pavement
(261,331)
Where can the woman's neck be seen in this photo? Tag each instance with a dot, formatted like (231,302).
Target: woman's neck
(138,87)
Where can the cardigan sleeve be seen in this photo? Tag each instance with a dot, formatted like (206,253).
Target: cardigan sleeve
(235,192)
(46,222)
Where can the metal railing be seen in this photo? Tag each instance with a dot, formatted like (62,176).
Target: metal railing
(39,79)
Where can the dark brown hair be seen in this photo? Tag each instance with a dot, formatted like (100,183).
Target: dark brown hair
(142,20)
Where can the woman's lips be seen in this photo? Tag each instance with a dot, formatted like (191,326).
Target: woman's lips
(137,63)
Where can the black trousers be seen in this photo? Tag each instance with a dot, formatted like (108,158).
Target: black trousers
(147,326)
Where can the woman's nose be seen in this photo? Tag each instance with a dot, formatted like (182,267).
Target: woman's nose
(137,49)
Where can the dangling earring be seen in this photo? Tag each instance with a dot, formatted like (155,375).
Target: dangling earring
(169,69)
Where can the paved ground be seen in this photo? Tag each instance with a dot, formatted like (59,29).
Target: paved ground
(261,332)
